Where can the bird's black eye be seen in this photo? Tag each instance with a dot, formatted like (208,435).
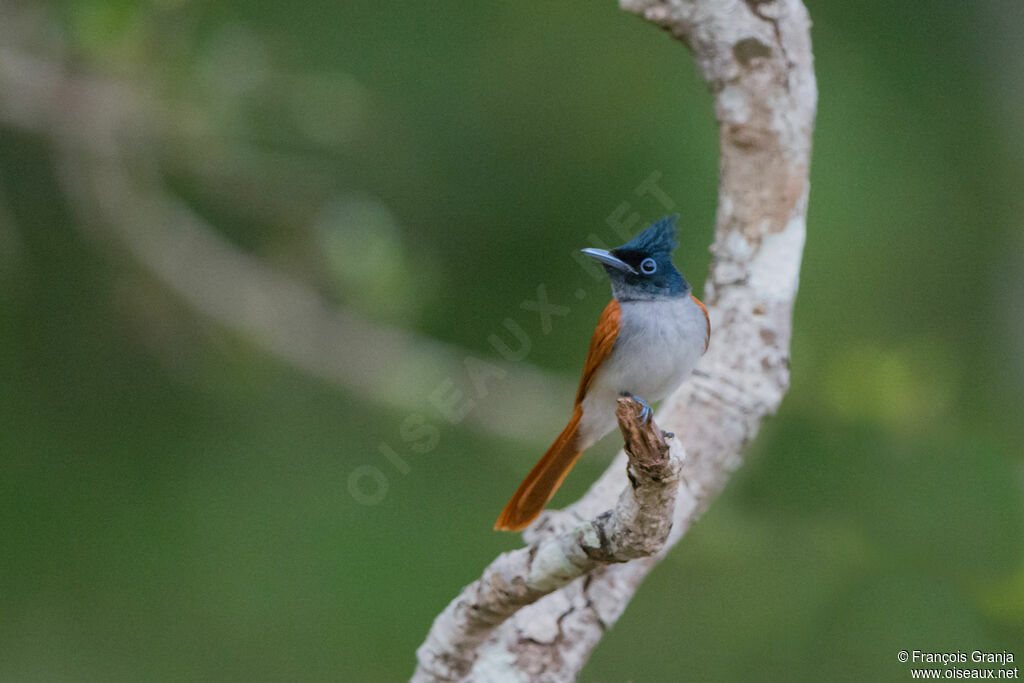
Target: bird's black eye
(648,266)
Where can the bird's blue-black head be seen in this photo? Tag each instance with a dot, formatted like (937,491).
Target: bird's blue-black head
(642,268)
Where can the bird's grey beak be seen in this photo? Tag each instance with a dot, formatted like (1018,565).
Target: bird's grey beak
(605,257)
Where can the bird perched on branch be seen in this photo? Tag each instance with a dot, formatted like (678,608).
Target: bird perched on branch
(647,341)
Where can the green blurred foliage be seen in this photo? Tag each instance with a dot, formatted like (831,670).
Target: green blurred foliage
(175,501)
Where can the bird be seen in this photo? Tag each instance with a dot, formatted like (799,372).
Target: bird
(647,341)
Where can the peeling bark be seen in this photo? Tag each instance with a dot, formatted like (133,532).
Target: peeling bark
(637,526)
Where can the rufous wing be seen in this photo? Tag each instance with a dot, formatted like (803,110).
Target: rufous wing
(550,471)
(601,344)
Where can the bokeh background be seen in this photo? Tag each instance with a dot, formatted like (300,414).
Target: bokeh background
(241,244)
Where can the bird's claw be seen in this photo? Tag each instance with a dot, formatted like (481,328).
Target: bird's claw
(645,408)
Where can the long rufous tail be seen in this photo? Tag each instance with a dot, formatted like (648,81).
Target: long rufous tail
(543,480)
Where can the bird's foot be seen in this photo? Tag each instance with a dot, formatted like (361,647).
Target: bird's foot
(645,408)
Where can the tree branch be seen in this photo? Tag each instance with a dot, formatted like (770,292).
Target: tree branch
(756,57)
(637,526)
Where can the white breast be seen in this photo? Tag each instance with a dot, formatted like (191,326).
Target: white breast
(658,345)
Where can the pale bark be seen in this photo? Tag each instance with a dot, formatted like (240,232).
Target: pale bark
(756,58)
(637,526)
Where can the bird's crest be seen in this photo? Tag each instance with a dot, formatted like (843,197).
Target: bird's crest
(658,237)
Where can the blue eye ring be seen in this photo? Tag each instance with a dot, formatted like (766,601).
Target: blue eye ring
(648,266)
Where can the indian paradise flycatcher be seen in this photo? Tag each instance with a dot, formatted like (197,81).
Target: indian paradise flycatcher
(647,341)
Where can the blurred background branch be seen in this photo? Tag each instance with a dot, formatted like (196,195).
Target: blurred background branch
(106,135)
